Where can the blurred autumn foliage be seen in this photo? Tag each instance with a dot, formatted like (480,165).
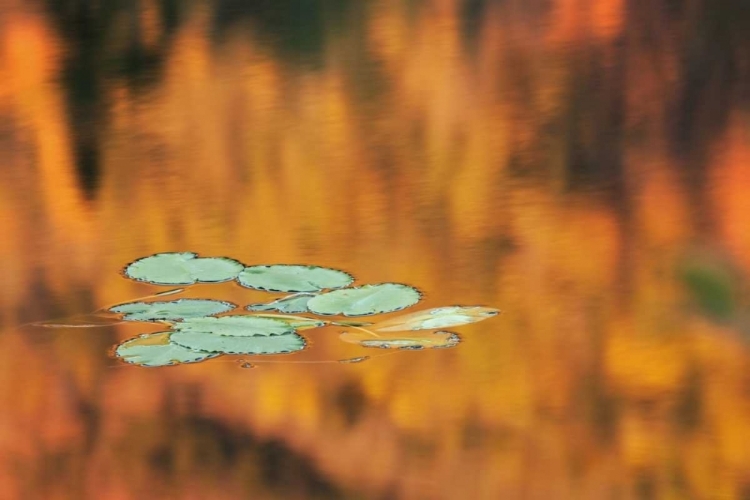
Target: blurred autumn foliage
(581,164)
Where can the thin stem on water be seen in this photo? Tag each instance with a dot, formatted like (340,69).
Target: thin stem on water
(369,332)
(289,316)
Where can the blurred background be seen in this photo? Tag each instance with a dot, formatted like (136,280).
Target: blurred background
(582,165)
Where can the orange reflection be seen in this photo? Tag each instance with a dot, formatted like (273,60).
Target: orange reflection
(452,173)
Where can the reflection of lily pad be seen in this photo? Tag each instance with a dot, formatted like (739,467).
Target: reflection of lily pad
(172,310)
(155,349)
(365,300)
(183,268)
(278,344)
(431,319)
(235,326)
(424,340)
(293,304)
(288,278)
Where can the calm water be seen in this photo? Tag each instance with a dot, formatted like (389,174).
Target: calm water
(581,165)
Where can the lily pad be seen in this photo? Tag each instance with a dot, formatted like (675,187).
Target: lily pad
(155,349)
(173,310)
(296,303)
(183,268)
(278,344)
(441,317)
(405,341)
(291,278)
(235,326)
(365,300)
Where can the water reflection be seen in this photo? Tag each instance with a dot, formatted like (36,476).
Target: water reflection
(580,164)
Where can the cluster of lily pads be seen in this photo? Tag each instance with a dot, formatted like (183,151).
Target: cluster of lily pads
(201,329)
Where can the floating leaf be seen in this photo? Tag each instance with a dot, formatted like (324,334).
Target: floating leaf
(365,300)
(296,303)
(155,349)
(431,319)
(235,326)
(289,278)
(172,310)
(425,340)
(277,344)
(183,268)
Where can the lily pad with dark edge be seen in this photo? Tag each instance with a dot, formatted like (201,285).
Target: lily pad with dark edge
(173,310)
(365,300)
(293,278)
(431,319)
(277,344)
(183,268)
(155,349)
(434,340)
(296,303)
(235,326)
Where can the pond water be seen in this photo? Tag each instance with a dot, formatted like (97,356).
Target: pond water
(582,165)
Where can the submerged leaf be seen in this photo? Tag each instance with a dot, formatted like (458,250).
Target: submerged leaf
(183,268)
(155,349)
(296,322)
(172,310)
(291,278)
(424,340)
(277,344)
(358,359)
(365,300)
(296,303)
(235,326)
(431,319)
(79,321)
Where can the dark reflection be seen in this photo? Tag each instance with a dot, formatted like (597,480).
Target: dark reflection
(299,29)
(105,44)
(646,486)
(688,411)
(351,402)
(207,449)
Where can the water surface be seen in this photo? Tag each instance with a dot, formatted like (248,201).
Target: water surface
(582,165)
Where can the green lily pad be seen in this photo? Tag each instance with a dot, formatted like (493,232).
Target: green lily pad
(278,344)
(155,349)
(183,268)
(365,300)
(441,317)
(296,303)
(289,278)
(173,310)
(235,326)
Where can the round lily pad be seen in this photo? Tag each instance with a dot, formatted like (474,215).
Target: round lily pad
(278,344)
(235,326)
(155,350)
(365,300)
(173,310)
(183,268)
(291,278)
(441,317)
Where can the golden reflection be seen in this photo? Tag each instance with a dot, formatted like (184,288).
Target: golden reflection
(461,167)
